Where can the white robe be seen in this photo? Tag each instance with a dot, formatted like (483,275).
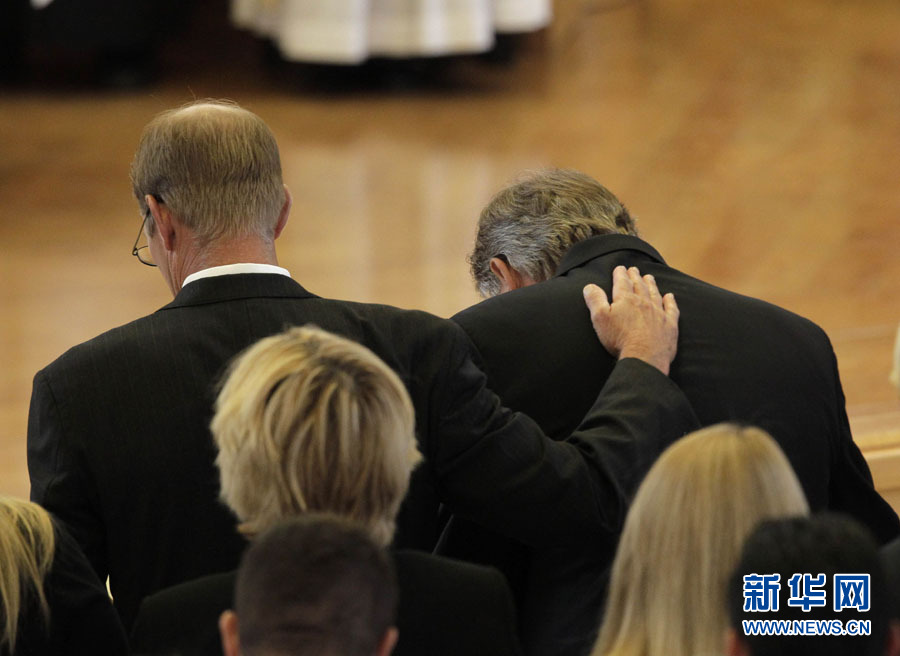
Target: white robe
(350,31)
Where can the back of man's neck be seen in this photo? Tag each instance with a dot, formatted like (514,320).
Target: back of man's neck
(243,251)
(249,250)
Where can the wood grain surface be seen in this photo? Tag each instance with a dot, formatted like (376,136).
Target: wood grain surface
(758,143)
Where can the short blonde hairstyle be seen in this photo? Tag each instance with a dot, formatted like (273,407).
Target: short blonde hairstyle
(216,167)
(27,544)
(533,222)
(308,421)
(683,536)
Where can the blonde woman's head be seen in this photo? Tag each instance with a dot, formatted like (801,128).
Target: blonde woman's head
(683,535)
(309,421)
(26,553)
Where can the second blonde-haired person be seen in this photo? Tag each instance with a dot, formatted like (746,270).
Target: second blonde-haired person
(310,422)
(683,536)
(51,602)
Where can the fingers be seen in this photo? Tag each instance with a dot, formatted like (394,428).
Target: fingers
(601,313)
(637,283)
(596,300)
(639,322)
(641,285)
(622,282)
(653,290)
(671,308)
(631,281)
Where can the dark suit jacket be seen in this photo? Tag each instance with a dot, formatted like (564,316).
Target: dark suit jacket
(890,557)
(739,359)
(119,446)
(82,619)
(446,608)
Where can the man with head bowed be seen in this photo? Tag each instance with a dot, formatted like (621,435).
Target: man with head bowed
(539,242)
(118,440)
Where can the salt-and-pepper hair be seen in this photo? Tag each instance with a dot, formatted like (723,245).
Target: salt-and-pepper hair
(27,544)
(683,536)
(307,421)
(534,221)
(216,166)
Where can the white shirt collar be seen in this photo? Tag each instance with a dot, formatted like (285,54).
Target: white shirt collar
(230,269)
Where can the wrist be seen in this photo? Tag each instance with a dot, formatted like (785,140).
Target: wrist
(651,357)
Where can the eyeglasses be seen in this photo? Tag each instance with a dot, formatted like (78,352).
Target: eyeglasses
(142,253)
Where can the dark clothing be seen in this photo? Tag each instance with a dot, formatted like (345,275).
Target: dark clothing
(890,557)
(119,446)
(184,619)
(82,619)
(446,608)
(120,24)
(739,359)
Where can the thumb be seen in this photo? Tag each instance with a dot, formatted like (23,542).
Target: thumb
(598,304)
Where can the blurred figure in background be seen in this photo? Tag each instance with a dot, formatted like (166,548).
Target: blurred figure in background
(351,31)
(118,39)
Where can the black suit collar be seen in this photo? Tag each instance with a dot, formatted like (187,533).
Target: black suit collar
(237,286)
(585,251)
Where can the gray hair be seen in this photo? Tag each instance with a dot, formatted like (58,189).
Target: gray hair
(533,222)
(215,165)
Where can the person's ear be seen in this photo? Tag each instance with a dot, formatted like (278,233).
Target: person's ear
(228,631)
(285,212)
(387,642)
(509,278)
(734,646)
(162,221)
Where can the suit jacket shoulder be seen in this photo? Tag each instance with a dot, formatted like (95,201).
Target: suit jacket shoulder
(184,619)
(448,607)
(118,435)
(739,359)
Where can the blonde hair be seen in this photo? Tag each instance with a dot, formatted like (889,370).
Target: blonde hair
(533,222)
(26,553)
(683,535)
(309,421)
(215,165)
